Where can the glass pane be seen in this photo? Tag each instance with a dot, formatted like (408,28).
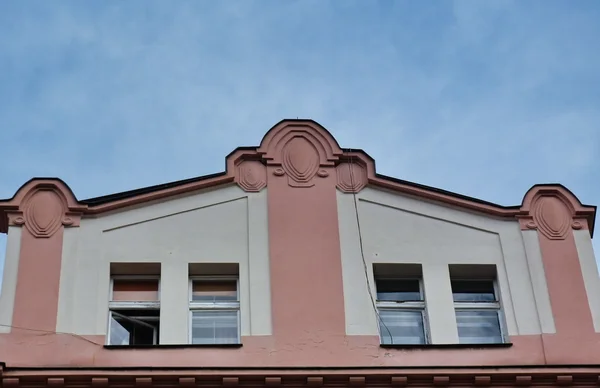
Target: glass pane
(478,327)
(214,291)
(119,335)
(135,290)
(401,327)
(215,327)
(473,291)
(398,290)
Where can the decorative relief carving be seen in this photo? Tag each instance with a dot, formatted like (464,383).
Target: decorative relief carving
(351,177)
(523,380)
(357,380)
(251,176)
(280,136)
(577,225)
(43,213)
(564,380)
(482,381)
(230,381)
(99,382)
(399,381)
(143,381)
(55,381)
(497,379)
(300,150)
(42,207)
(272,381)
(552,217)
(300,161)
(10,382)
(441,380)
(187,381)
(18,220)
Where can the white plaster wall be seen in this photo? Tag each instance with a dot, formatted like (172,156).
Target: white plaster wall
(9,278)
(538,280)
(225,225)
(589,270)
(401,229)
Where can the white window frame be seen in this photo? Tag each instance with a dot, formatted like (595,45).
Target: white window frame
(485,306)
(115,306)
(213,306)
(418,306)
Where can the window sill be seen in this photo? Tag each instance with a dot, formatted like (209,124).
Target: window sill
(172,346)
(446,346)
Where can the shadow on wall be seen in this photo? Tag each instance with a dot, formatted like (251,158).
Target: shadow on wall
(596,246)
(2,256)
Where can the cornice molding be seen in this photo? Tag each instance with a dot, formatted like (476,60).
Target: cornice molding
(42,206)
(442,377)
(553,211)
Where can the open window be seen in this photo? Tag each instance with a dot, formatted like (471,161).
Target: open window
(134,310)
(214,304)
(400,304)
(479,317)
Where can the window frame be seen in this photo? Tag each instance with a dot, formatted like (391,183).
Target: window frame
(483,306)
(115,306)
(213,306)
(414,306)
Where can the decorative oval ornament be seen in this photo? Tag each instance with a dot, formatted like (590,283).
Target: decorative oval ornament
(552,217)
(251,176)
(300,162)
(351,177)
(43,213)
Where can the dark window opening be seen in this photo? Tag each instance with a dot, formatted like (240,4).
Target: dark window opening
(398,290)
(134,327)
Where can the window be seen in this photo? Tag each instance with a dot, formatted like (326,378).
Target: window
(134,311)
(477,308)
(214,310)
(400,304)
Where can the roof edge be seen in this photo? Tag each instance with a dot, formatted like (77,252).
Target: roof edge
(268,153)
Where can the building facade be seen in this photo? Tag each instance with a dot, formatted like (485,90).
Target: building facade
(297,266)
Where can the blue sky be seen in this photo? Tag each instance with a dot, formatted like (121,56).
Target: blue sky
(484,98)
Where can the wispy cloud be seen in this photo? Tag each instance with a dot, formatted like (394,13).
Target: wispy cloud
(484,98)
